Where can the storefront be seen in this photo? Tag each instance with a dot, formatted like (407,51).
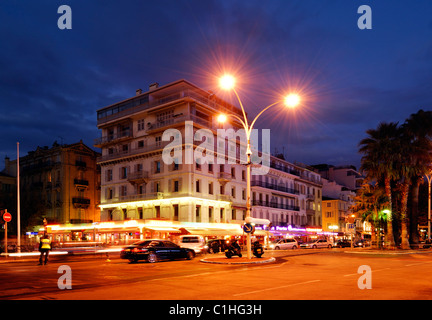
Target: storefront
(129,231)
(305,234)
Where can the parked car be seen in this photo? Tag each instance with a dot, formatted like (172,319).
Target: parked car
(216,245)
(343,244)
(321,243)
(194,242)
(155,250)
(284,244)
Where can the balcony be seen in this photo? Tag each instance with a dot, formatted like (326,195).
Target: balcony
(81,184)
(140,103)
(272,204)
(284,169)
(273,187)
(113,138)
(138,177)
(82,203)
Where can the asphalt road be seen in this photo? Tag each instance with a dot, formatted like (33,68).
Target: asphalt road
(320,274)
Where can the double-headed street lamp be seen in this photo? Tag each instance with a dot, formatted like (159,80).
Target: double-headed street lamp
(227,82)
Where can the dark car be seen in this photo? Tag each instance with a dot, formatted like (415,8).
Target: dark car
(343,244)
(216,245)
(155,250)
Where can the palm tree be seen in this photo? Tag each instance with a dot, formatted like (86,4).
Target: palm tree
(380,159)
(371,204)
(419,128)
(415,159)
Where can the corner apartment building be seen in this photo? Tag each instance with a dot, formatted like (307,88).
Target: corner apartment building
(60,184)
(138,184)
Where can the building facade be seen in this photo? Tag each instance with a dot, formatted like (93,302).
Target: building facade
(204,179)
(60,184)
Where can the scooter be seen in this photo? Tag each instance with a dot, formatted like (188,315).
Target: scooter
(258,249)
(233,250)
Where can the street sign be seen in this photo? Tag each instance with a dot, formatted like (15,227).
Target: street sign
(7,217)
(247,228)
(350,227)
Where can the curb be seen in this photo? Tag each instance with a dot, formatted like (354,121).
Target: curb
(236,261)
(385,252)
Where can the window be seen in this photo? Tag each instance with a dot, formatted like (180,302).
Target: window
(109,175)
(210,188)
(123,173)
(141,124)
(210,167)
(244,194)
(197,186)
(243,175)
(198,164)
(157,166)
(123,191)
(158,140)
(328,204)
(233,172)
(156,186)
(141,144)
(176,212)
(141,189)
(176,186)
(233,192)
(110,193)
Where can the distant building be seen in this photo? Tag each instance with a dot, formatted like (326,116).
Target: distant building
(347,176)
(340,184)
(7,191)
(60,184)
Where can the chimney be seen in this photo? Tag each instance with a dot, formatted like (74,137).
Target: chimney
(153,86)
(138,92)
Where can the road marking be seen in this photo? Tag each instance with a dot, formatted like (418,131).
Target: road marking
(356,274)
(275,288)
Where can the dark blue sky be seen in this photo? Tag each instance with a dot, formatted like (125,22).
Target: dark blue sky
(52,81)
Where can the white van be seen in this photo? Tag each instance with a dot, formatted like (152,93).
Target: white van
(194,242)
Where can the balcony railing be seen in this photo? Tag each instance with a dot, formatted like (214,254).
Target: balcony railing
(113,138)
(139,104)
(274,187)
(273,204)
(81,202)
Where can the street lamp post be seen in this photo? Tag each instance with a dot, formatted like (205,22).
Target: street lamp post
(227,82)
(429,179)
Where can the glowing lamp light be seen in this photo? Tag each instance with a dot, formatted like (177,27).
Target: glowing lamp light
(227,82)
(292,100)
(222,118)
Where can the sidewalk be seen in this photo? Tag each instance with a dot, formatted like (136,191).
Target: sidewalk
(388,251)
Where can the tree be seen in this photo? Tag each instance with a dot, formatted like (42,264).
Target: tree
(380,161)
(372,206)
(418,128)
(415,161)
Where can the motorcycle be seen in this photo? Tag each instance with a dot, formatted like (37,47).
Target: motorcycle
(233,250)
(258,250)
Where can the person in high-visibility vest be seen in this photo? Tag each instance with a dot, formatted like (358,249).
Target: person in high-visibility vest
(44,248)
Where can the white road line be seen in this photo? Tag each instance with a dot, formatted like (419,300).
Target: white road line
(274,288)
(359,274)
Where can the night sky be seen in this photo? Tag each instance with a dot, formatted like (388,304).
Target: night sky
(52,81)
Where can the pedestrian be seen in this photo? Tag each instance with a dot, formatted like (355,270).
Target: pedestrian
(44,248)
